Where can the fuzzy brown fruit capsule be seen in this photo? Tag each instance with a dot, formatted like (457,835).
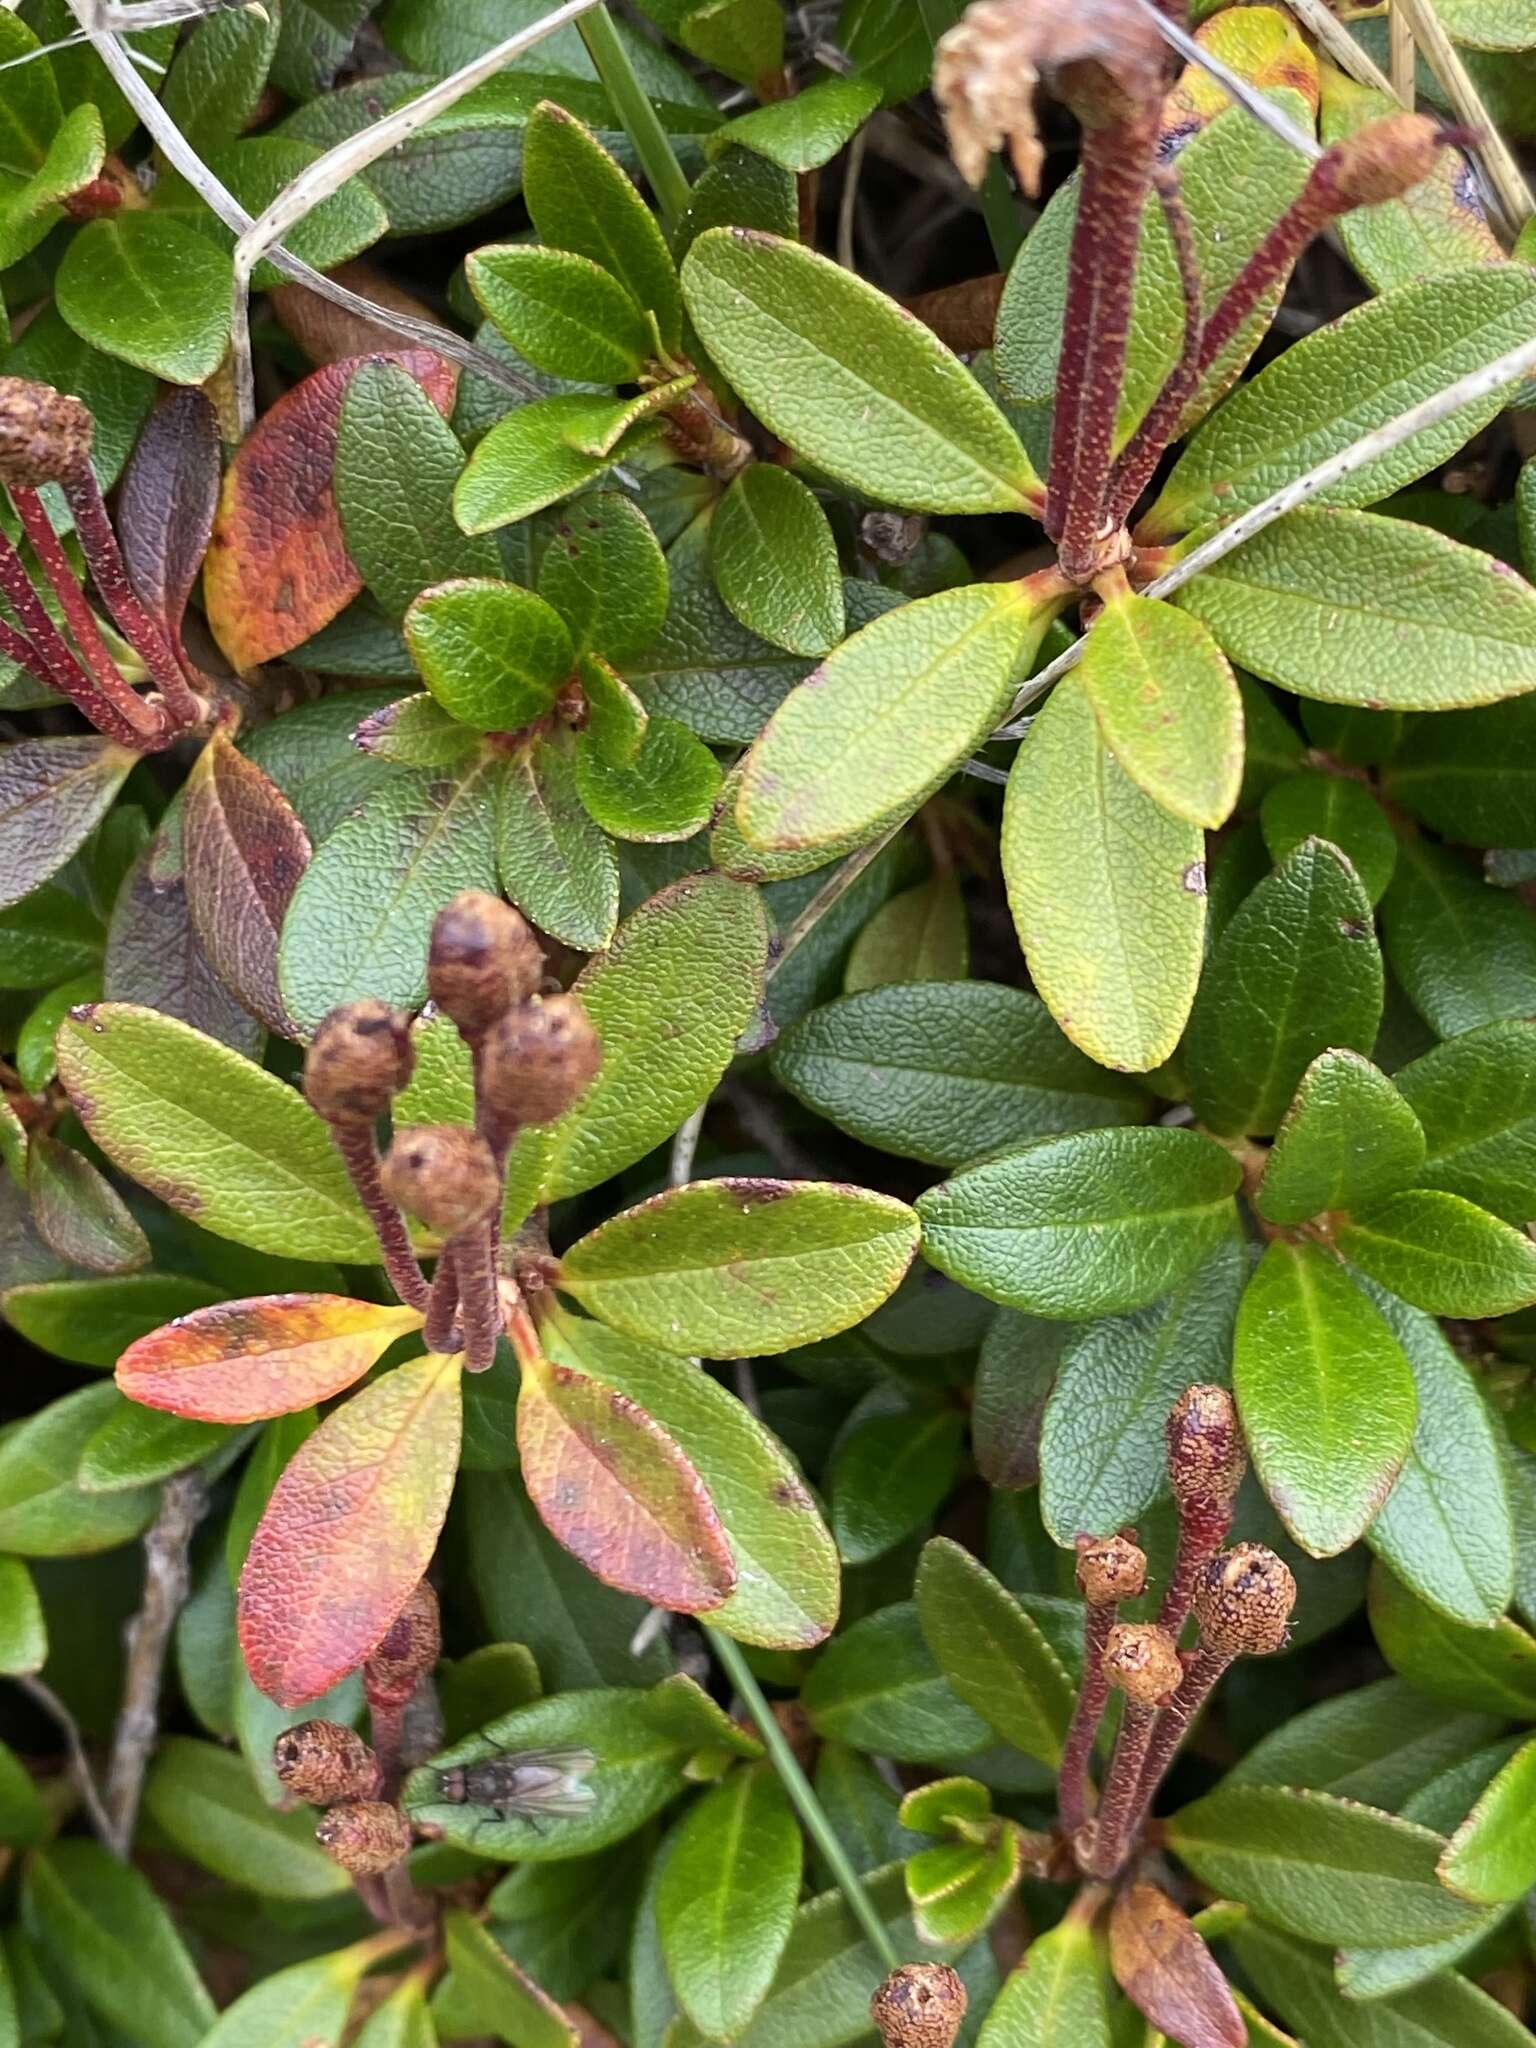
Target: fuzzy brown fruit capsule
(1142,1661)
(920,2005)
(1243,1602)
(1110,1569)
(365,1836)
(322,1762)
(410,1647)
(358,1061)
(1384,159)
(44,434)
(443,1173)
(538,1059)
(483,959)
(1206,1455)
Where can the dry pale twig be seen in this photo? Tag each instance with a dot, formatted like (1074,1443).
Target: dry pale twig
(1331,35)
(1504,175)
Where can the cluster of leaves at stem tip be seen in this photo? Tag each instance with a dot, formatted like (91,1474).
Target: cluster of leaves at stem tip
(740,1462)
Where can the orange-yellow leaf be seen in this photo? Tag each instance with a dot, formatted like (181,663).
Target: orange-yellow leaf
(1169,1974)
(277,568)
(243,1361)
(350,1530)
(619,1493)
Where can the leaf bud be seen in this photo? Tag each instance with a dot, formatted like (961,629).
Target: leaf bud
(443,1173)
(408,1650)
(1142,1661)
(44,434)
(365,1836)
(358,1061)
(483,959)
(1243,1602)
(322,1762)
(1206,1455)
(538,1059)
(1110,1569)
(1382,160)
(920,2005)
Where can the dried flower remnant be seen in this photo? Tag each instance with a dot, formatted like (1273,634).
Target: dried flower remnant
(358,1062)
(539,1059)
(323,1762)
(444,1174)
(365,1836)
(483,959)
(919,2005)
(408,1650)
(1108,1572)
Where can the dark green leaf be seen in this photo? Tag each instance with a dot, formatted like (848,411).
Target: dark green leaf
(151,290)
(890,1471)
(498,1993)
(203,1798)
(1488,1670)
(775,560)
(605,574)
(879,1687)
(555,862)
(1442,1253)
(492,654)
(23,1633)
(991,1652)
(1476,1099)
(1471,775)
(43,1510)
(137,1447)
(1347,1138)
(1464,953)
(92,1322)
(1332,807)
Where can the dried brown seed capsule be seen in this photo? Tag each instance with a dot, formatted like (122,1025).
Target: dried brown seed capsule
(411,1646)
(483,959)
(1206,1456)
(359,1060)
(1109,1570)
(44,433)
(365,1836)
(1385,159)
(443,1173)
(538,1059)
(920,2005)
(1243,1602)
(1143,1661)
(322,1762)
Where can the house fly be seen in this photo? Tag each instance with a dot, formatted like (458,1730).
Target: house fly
(534,1784)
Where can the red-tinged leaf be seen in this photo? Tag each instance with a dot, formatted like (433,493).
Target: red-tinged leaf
(156,959)
(277,567)
(618,1492)
(243,853)
(166,501)
(53,794)
(78,1212)
(1166,1970)
(245,1361)
(349,1530)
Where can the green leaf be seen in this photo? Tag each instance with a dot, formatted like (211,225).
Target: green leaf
(256,168)
(538,454)
(605,574)
(416,732)
(663,1049)
(1475,1096)
(1327,1397)
(555,862)
(918,935)
(78,1212)
(104,1930)
(501,1995)
(1057,1998)
(1323,1868)
(30,206)
(43,1510)
(1167,706)
(151,290)
(492,654)
(563,312)
(1442,1253)
(991,1652)
(1296,971)
(135,1447)
(1347,1138)
(48,934)
(24,1817)
(1332,807)
(92,1322)
(888,716)
(217,77)
(787,1580)
(1103,1449)
(1491,1858)
(775,560)
(958,1888)
(727,1898)
(1464,953)
(854,384)
(890,1470)
(940,1070)
(397,461)
(580,200)
(879,1687)
(1343,381)
(1470,775)
(236,1149)
(1107,891)
(1446,1528)
(36,1063)
(53,794)
(23,1632)
(296,2007)
(1323,602)
(1490,1670)
(737,1268)
(667,790)
(1083,1225)
(402,2021)
(1380,1743)
(205,1800)
(361,916)
(805,132)
(30,109)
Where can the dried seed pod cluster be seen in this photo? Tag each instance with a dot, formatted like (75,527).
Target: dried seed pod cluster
(919,2005)
(358,1062)
(445,1174)
(44,434)
(1110,1570)
(1142,1661)
(484,958)
(1243,1602)
(321,1762)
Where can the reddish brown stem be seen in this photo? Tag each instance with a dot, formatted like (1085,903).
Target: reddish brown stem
(61,669)
(1203,1528)
(1139,458)
(104,559)
(360,1155)
(442,1330)
(474,1261)
(1089,1712)
(1116,172)
(1113,1825)
(1202,1668)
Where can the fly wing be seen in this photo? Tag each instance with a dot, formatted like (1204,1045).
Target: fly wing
(549,1781)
